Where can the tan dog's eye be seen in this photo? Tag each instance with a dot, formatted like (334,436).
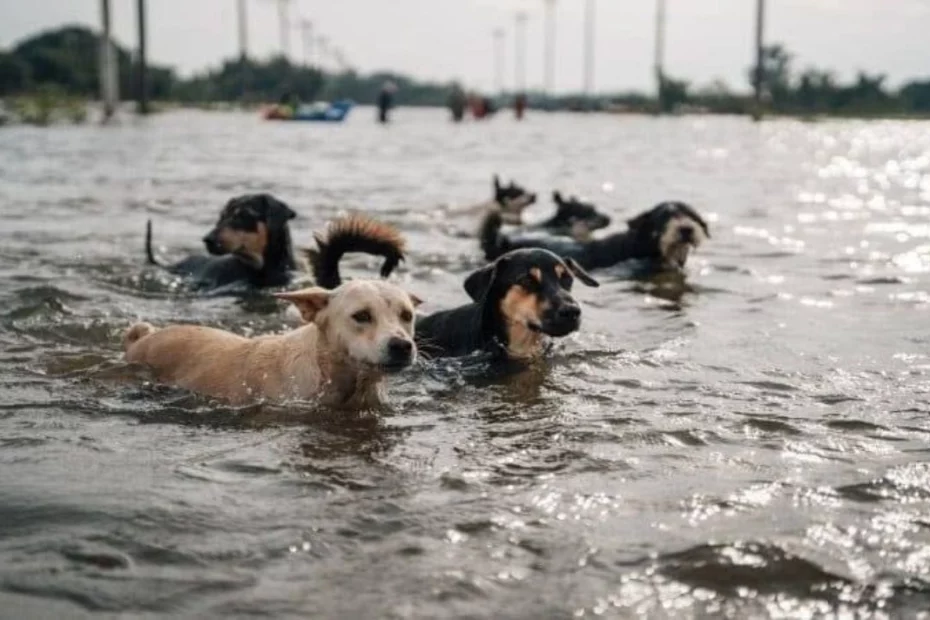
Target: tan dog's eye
(362,316)
(406,316)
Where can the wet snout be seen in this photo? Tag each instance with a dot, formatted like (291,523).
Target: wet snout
(400,353)
(563,317)
(213,244)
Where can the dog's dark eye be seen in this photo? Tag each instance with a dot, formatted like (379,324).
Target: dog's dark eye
(406,316)
(528,282)
(362,316)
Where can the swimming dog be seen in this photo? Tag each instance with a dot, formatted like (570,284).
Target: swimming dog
(664,236)
(517,301)
(250,247)
(573,218)
(354,336)
(509,200)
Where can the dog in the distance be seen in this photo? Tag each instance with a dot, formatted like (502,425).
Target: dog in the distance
(573,218)
(354,336)
(250,248)
(518,301)
(509,200)
(663,237)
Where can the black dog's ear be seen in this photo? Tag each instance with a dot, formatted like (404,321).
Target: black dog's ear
(580,273)
(278,212)
(639,220)
(478,283)
(497,183)
(557,197)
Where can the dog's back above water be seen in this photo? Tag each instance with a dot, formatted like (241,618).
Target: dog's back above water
(353,338)
(250,248)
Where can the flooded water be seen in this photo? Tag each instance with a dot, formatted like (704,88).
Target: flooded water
(757,445)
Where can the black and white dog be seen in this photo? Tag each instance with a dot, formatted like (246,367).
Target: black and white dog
(664,237)
(573,218)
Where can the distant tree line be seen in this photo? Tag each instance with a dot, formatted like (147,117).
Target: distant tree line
(67,59)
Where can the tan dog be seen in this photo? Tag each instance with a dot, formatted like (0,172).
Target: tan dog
(355,335)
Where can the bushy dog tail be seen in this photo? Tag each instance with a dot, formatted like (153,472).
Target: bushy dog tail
(136,333)
(149,254)
(355,233)
(493,244)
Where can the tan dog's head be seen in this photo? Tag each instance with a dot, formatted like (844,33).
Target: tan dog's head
(367,321)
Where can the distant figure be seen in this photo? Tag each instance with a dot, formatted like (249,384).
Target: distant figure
(386,100)
(489,106)
(458,101)
(519,105)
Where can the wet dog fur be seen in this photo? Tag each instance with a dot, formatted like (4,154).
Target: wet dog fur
(517,301)
(509,200)
(573,218)
(353,338)
(250,247)
(664,237)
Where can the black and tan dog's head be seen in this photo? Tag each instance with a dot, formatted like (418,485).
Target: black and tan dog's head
(512,200)
(668,233)
(249,226)
(575,218)
(527,294)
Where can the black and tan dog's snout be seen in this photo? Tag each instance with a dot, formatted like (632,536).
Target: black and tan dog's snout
(213,244)
(563,318)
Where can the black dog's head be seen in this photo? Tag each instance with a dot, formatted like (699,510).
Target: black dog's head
(528,292)
(512,200)
(248,226)
(575,218)
(668,233)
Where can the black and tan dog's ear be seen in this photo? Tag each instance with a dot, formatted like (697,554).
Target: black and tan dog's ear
(478,283)
(557,197)
(309,301)
(497,184)
(580,273)
(277,211)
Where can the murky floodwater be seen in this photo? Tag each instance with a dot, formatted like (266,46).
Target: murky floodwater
(758,446)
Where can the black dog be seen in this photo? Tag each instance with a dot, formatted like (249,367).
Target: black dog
(517,300)
(251,244)
(573,218)
(663,236)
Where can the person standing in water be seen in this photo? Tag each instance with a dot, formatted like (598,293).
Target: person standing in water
(457,102)
(519,105)
(386,100)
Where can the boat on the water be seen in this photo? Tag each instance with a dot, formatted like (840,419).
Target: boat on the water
(320,111)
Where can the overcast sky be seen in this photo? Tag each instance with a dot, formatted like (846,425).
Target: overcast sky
(444,39)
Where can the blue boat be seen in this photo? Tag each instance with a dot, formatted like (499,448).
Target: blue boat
(320,111)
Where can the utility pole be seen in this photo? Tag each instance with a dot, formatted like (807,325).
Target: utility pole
(499,35)
(243,48)
(660,52)
(760,53)
(108,84)
(143,102)
(520,52)
(306,30)
(549,48)
(589,24)
(284,25)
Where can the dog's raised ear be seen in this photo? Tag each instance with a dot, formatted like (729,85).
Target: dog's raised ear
(276,211)
(309,301)
(580,273)
(478,282)
(414,299)
(557,197)
(497,184)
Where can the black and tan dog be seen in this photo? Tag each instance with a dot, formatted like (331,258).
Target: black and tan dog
(573,218)
(664,237)
(509,200)
(250,247)
(517,301)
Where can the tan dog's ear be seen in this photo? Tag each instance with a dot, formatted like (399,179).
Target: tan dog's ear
(416,300)
(308,300)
